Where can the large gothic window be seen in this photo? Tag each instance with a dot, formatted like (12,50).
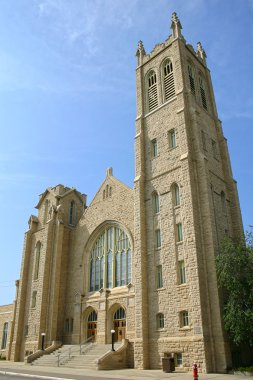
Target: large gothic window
(110,260)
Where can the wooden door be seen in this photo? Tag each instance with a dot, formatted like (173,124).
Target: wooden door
(92,330)
(120,329)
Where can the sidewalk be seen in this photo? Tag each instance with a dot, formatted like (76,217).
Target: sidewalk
(78,374)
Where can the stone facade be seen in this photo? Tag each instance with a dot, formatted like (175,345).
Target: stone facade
(183,203)
(6,318)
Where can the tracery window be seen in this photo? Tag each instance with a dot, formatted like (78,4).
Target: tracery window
(152,91)
(93,317)
(110,260)
(168,80)
(119,314)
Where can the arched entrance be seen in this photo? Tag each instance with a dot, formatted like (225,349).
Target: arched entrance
(119,324)
(92,325)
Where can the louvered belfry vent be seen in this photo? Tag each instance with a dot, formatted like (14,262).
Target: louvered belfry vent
(202,94)
(169,84)
(152,91)
(191,80)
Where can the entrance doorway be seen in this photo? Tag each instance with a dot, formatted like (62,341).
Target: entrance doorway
(92,326)
(119,324)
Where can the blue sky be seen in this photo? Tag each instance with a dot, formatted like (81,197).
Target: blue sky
(67,96)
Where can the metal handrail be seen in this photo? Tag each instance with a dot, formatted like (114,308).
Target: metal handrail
(63,357)
(84,343)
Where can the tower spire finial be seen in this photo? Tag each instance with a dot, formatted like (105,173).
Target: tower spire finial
(201,52)
(176,26)
(140,53)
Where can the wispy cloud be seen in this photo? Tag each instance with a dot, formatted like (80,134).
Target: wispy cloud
(81,21)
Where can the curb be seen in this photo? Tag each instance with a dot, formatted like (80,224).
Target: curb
(33,376)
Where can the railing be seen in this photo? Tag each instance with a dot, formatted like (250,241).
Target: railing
(64,356)
(54,346)
(84,345)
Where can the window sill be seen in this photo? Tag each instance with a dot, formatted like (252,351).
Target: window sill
(179,242)
(185,328)
(172,148)
(183,285)
(177,207)
(160,289)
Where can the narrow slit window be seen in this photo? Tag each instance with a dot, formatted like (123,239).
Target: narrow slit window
(172,138)
(159,274)
(179,231)
(154,148)
(155,203)
(160,321)
(182,275)
(158,238)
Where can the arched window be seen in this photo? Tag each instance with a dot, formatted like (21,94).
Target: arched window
(191,79)
(111,250)
(176,195)
(160,321)
(37,260)
(92,316)
(72,212)
(152,91)
(202,92)
(155,202)
(168,80)
(119,314)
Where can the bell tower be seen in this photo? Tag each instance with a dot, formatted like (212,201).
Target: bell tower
(185,203)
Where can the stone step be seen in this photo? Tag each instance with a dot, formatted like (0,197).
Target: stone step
(70,356)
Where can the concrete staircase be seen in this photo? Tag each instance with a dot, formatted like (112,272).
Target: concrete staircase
(69,356)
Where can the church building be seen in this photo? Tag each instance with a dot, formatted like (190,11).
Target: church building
(138,261)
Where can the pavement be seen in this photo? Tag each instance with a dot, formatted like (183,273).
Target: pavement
(56,373)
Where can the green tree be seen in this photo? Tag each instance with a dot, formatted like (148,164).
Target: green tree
(235,277)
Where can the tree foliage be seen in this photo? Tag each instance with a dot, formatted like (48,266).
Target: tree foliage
(235,276)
